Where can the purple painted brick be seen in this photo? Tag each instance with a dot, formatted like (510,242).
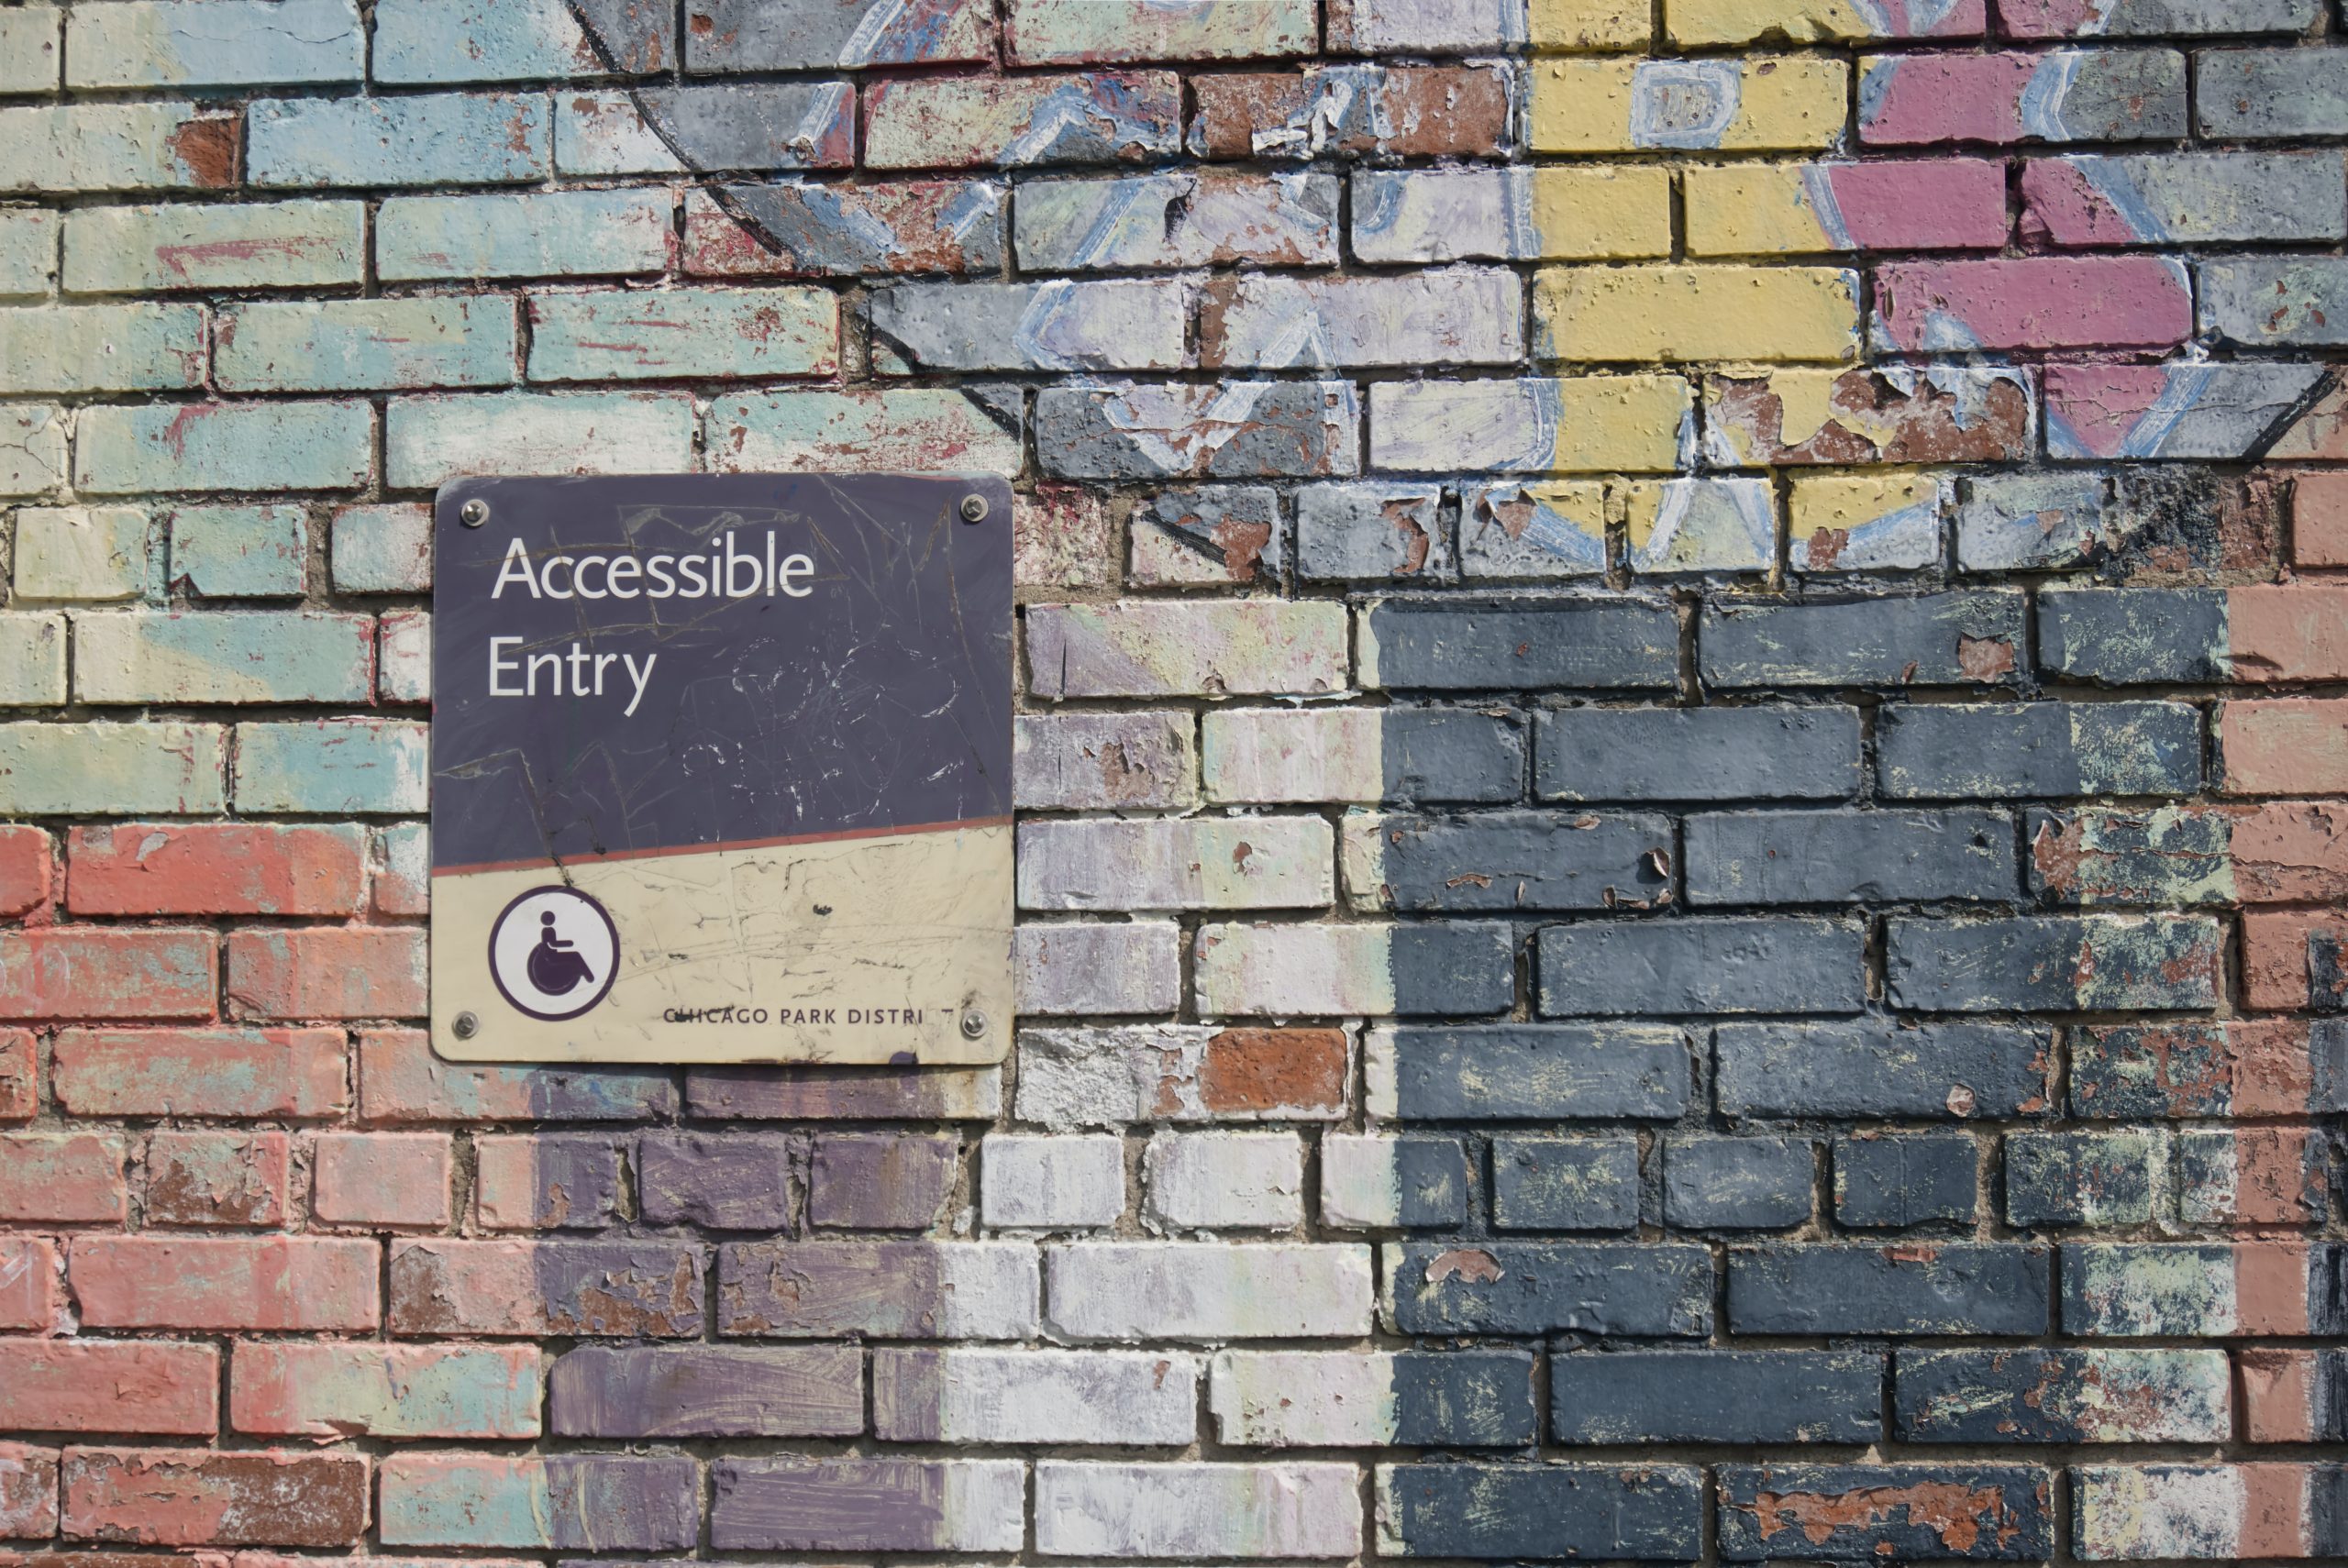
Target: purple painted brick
(720,1181)
(877,1182)
(707,1391)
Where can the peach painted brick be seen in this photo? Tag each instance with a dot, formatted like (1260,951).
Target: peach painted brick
(190,1497)
(393,1179)
(24,870)
(357,971)
(19,1075)
(215,869)
(276,1281)
(2319,519)
(28,1282)
(225,1177)
(63,1177)
(121,1386)
(27,1492)
(294,1073)
(78,972)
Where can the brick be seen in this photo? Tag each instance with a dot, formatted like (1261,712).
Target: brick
(2084,1178)
(1400,969)
(2269,1176)
(1235,429)
(2199,1291)
(291,445)
(1454,315)
(1652,1513)
(2058,95)
(2260,302)
(917,430)
(2172,198)
(1701,525)
(115,1386)
(1176,864)
(2036,302)
(31,34)
(2056,962)
(2293,960)
(1047,32)
(1349,111)
(868,1504)
(32,653)
(1344,1399)
(381,1181)
(1090,967)
(1659,754)
(1563,1184)
(2062,1396)
(332,765)
(968,1395)
(329,1391)
(215,656)
(188,1497)
(720,1181)
(2269,93)
(1946,639)
(707,1391)
(1282,756)
(328,972)
(403,871)
(274,1282)
(96,553)
(239,552)
(1346,531)
(297,1074)
(1507,860)
(1555,529)
(1066,1182)
(2100,856)
(382,550)
(516,40)
(656,129)
(742,34)
(1998,750)
(217,1178)
(1930,1071)
(1897,1180)
(541,233)
(1621,104)
(1739,21)
(880,1183)
(428,440)
(30,1278)
(108,972)
(1216,1181)
(2127,636)
(683,331)
(32,448)
(561,1501)
(1890,520)
(1063,541)
(1704,312)
(100,347)
(1986,1288)
(944,1290)
(614,1289)
(1295,1510)
(801,228)
(1799,209)
(830,1093)
(147,44)
(1736,1184)
(28,1488)
(28,250)
(1511,214)
(1160,1290)
(63,1177)
(2130,18)
(1444,26)
(1517,645)
(532,1182)
(1649,1396)
(2287,746)
(142,249)
(1967,1512)
(2244,1067)
(1773,857)
(2218,411)
(452,138)
(359,345)
(1571,425)
(1546,1072)
(963,123)
(1144,648)
(2292,1395)
(2210,1512)
(1884,415)
(167,146)
(1373,1183)
(1528,1287)
(19,1075)
(1775,965)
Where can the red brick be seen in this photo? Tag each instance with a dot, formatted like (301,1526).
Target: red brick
(28,1283)
(295,1072)
(24,870)
(215,869)
(27,1493)
(2284,746)
(276,1281)
(217,1178)
(2319,518)
(110,1386)
(2280,1394)
(160,1496)
(19,1075)
(339,971)
(63,1177)
(2285,954)
(390,1179)
(79,971)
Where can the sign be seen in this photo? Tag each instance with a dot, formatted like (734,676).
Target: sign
(721,769)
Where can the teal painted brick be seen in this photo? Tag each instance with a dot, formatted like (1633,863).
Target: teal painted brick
(213,43)
(32,448)
(160,767)
(224,656)
(28,51)
(362,344)
(218,446)
(246,245)
(100,347)
(683,331)
(429,439)
(32,660)
(28,250)
(88,147)
(239,552)
(404,657)
(514,41)
(436,138)
(404,870)
(362,766)
(550,234)
(382,550)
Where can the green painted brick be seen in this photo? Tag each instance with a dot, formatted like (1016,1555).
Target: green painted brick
(32,448)
(218,43)
(419,41)
(435,138)
(245,245)
(683,331)
(160,767)
(239,552)
(161,448)
(28,47)
(94,554)
(548,234)
(382,550)
(85,148)
(429,439)
(362,766)
(362,344)
(100,347)
(224,656)
(32,660)
(28,249)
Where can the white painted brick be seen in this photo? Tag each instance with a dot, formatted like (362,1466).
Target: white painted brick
(1176,863)
(1214,1181)
(1197,1511)
(1207,1290)
(1070,1182)
(1160,1072)
(1088,967)
(963,1395)
(1302,1398)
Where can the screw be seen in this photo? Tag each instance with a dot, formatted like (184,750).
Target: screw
(473,514)
(974,509)
(465,1026)
(974,1024)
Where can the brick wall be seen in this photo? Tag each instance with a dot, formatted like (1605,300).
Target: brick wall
(1684,764)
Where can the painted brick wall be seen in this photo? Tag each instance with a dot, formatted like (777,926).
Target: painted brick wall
(1684,760)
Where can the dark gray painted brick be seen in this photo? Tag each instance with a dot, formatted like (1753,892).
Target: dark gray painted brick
(1879,1067)
(1805,857)
(1525,860)
(740,1182)
(1996,750)
(1886,1513)
(1444,754)
(707,1391)
(1940,639)
(2026,1394)
(2108,854)
(1697,753)
(1715,1396)
(1718,963)
(1542,1073)
(1652,1513)
(1565,1184)
(2082,1178)
(1468,1399)
(1541,1287)
(1455,969)
(1433,1174)
(762,35)
(1892,1180)
(2132,636)
(756,126)
(1520,645)
(2054,962)
(1117,431)
(1942,1287)
(1736,1184)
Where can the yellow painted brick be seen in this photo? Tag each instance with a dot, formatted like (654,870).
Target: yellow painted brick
(1762,102)
(1590,214)
(1880,518)
(1750,209)
(1845,500)
(1590,24)
(1699,313)
(1618,422)
(1743,21)
(96,553)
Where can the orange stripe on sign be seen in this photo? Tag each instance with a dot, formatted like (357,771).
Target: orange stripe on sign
(722,848)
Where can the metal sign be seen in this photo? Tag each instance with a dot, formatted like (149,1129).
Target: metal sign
(721,769)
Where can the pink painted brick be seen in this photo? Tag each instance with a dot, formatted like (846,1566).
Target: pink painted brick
(28,1281)
(2062,95)
(357,971)
(24,870)
(61,1177)
(1940,204)
(295,1073)
(2035,302)
(394,1180)
(121,1386)
(328,1391)
(215,869)
(27,1493)
(275,1282)
(217,1178)
(89,971)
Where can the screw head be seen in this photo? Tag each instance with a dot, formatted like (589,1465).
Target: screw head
(464,1026)
(473,514)
(974,509)
(974,1024)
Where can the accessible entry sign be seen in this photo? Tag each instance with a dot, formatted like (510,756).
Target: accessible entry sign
(721,769)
